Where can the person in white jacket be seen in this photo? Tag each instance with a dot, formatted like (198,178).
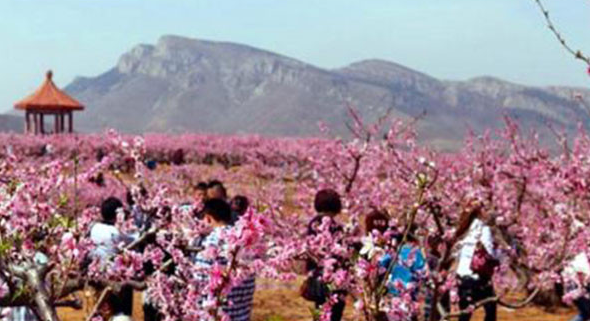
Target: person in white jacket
(474,287)
(107,238)
(576,274)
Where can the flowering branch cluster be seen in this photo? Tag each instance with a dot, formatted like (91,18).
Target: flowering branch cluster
(536,203)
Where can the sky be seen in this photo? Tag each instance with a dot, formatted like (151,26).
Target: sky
(448,39)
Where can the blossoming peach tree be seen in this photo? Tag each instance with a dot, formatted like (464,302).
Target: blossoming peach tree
(536,202)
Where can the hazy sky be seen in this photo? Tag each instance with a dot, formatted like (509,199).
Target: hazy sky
(452,39)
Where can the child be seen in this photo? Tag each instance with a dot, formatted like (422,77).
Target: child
(410,263)
(217,214)
(407,270)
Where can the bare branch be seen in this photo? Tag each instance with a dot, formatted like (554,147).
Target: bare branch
(447,315)
(139,241)
(99,302)
(75,303)
(576,53)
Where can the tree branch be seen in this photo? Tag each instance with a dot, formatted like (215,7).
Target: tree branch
(445,315)
(576,53)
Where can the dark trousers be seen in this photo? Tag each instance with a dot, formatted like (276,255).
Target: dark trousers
(337,308)
(583,305)
(472,291)
(151,313)
(431,310)
(122,302)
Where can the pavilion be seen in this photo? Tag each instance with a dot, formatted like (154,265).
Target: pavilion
(48,100)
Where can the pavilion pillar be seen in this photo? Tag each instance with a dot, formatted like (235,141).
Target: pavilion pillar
(70,122)
(56,124)
(42,121)
(61,122)
(27,122)
(35,123)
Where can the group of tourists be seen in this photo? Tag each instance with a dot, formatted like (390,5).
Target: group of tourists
(474,261)
(410,265)
(211,206)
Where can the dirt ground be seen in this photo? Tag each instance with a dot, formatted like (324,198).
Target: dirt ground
(281,302)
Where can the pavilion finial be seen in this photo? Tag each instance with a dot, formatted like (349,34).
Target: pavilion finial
(49,74)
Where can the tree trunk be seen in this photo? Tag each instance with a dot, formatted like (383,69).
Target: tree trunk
(43,308)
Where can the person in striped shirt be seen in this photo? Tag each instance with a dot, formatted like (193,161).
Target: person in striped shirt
(217,213)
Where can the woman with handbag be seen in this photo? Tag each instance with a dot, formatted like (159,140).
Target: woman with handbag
(477,261)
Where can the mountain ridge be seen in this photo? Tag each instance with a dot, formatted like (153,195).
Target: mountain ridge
(181,84)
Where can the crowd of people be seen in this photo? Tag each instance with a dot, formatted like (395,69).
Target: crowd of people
(474,261)
(210,205)
(407,271)
(403,271)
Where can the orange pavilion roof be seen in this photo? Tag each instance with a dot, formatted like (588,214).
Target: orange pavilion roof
(49,97)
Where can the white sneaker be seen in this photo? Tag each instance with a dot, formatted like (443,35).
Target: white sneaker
(121,317)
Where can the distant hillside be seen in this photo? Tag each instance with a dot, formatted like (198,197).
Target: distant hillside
(11,123)
(183,84)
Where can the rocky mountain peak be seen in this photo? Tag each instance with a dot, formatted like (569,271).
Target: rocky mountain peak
(181,84)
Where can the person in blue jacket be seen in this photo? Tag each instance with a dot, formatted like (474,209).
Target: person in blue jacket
(407,269)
